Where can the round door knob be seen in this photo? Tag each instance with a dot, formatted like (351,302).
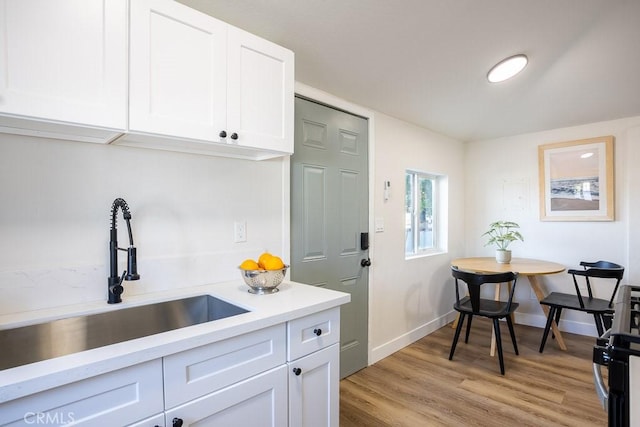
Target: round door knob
(365,262)
(318,332)
(297,371)
(223,134)
(177,422)
(234,136)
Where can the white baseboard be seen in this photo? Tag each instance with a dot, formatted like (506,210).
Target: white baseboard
(571,326)
(538,321)
(390,347)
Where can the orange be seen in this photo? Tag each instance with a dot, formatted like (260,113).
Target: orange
(273,263)
(249,264)
(263,258)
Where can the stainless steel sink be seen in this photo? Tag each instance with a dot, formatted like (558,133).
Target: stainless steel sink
(42,341)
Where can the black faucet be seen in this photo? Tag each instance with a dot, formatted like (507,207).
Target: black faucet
(131,273)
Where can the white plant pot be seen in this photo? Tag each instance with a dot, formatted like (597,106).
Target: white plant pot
(503,256)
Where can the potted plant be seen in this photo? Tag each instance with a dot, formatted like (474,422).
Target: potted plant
(501,234)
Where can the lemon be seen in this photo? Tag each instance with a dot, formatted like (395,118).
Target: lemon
(273,263)
(263,258)
(249,264)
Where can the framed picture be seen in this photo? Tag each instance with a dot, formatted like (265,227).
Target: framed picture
(576,180)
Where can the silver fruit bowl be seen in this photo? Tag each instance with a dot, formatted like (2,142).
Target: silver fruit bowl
(263,281)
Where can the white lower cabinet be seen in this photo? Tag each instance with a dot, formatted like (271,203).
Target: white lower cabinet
(286,374)
(314,369)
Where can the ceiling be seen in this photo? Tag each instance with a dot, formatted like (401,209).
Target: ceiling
(425,61)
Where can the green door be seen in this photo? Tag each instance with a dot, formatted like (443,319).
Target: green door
(329,213)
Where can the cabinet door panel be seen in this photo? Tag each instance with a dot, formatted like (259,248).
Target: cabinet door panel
(260,401)
(260,92)
(64,61)
(314,394)
(116,398)
(178,71)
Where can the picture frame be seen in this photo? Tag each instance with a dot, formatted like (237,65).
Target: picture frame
(577,180)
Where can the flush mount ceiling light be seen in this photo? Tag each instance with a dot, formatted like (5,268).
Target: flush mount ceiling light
(507,68)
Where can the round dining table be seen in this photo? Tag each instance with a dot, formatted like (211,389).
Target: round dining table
(530,268)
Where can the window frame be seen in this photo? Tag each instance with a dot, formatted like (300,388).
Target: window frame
(435,179)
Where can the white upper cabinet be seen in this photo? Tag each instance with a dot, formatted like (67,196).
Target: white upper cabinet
(146,73)
(63,63)
(260,92)
(199,85)
(178,71)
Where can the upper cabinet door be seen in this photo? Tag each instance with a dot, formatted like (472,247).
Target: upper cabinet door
(260,94)
(177,72)
(64,61)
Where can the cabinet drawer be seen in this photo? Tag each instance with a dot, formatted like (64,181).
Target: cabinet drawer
(117,398)
(313,332)
(202,370)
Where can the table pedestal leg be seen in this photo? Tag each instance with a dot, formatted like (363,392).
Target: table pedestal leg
(535,285)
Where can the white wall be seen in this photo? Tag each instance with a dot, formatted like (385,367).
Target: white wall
(411,298)
(502,183)
(55,218)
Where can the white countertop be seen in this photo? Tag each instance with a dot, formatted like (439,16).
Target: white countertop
(293,300)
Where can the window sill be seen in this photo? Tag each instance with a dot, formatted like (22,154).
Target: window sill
(425,254)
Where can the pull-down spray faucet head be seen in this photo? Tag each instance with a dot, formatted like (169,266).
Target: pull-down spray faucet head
(131,273)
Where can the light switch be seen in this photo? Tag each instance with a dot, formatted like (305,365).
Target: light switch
(379,225)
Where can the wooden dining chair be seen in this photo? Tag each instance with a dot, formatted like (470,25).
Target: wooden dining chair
(472,305)
(601,309)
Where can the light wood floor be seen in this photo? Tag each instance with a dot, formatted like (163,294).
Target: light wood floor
(419,386)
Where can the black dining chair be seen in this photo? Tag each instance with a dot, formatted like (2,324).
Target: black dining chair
(472,305)
(601,309)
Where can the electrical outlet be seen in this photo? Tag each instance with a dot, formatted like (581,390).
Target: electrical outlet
(240,231)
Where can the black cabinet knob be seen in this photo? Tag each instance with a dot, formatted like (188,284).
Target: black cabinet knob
(223,134)
(177,422)
(234,136)
(318,332)
(297,371)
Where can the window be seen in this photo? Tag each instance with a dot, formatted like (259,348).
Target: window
(421,193)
